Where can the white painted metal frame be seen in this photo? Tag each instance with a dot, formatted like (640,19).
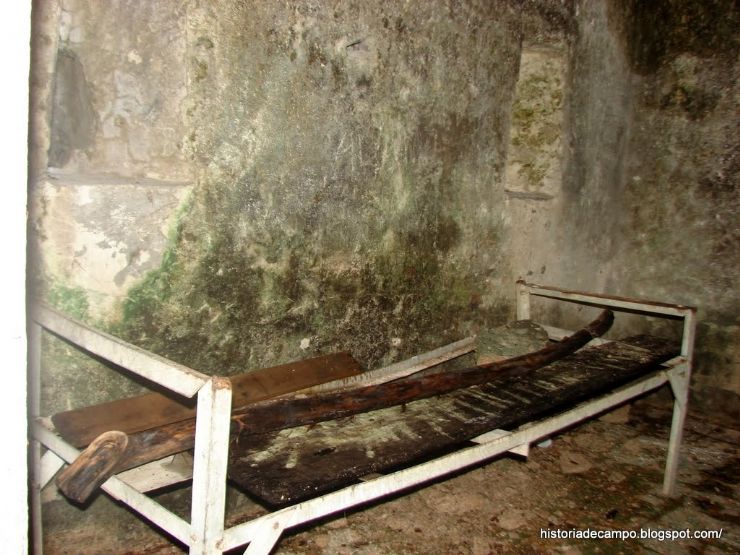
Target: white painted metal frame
(205,534)
(399,369)
(679,374)
(205,528)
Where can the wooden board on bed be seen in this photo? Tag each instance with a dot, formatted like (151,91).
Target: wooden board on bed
(144,412)
(300,463)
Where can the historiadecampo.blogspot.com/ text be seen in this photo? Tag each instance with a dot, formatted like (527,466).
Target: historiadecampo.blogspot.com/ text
(641,534)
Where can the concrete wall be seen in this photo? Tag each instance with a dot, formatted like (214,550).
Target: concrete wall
(236,186)
(120,89)
(348,183)
(110,167)
(649,200)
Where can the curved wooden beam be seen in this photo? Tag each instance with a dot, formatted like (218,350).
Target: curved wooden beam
(277,414)
(289,412)
(93,467)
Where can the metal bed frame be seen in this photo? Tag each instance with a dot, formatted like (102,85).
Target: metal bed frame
(206,532)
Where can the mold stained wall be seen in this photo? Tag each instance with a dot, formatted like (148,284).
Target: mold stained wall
(681,200)
(349,159)
(373,176)
(346,163)
(648,202)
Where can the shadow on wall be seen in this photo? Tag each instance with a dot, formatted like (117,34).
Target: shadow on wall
(73,118)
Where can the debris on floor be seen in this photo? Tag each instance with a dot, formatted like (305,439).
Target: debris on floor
(603,475)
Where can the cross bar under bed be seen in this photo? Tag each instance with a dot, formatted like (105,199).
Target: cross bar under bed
(206,532)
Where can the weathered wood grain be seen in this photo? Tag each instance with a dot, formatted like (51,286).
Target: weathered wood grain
(93,467)
(276,414)
(145,412)
(298,463)
(282,413)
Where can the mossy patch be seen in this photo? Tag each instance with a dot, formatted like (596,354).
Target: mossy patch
(70,300)
(536,118)
(231,311)
(146,297)
(337,205)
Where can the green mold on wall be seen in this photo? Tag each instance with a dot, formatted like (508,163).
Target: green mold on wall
(70,300)
(337,205)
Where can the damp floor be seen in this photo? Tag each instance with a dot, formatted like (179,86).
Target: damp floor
(604,475)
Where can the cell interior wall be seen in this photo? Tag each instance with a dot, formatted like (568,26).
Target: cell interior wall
(235,187)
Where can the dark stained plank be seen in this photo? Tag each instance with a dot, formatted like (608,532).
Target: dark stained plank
(286,412)
(153,410)
(93,467)
(299,463)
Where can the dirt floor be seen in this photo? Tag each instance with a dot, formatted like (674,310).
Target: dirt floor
(603,475)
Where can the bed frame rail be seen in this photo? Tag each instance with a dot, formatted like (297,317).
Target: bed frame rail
(206,533)
(205,528)
(678,376)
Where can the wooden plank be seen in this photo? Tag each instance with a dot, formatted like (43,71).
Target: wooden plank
(401,369)
(144,412)
(300,463)
(93,467)
(276,414)
(286,412)
(116,488)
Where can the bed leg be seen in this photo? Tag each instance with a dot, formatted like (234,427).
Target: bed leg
(679,379)
(34,402)
(265,540)
(680,386)
(213,419)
